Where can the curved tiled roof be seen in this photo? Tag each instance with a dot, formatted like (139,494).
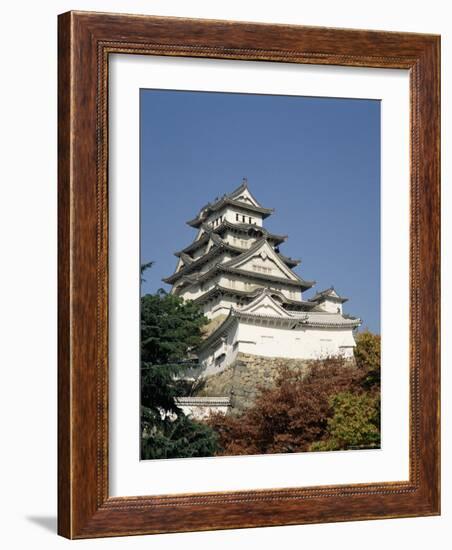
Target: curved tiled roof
(239,227)
(290,262)
(224,201)
(229,267)
(219,289)
(216,249)
(299,282)
(230,199)
(327,294)
(292,319)
(246,227)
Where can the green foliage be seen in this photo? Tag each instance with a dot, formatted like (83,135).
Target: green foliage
(170,329)
(178,437)
(355,423)
(143,268)
(367,357)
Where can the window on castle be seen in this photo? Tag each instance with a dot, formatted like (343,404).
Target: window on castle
(262,269)
(236,217)
(243,219)
(250,220)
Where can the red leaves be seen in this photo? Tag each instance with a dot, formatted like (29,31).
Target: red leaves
(292,414)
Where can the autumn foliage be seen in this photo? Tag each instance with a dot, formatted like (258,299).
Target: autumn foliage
(334,405)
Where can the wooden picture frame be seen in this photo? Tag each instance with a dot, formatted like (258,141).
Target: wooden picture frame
(86,40)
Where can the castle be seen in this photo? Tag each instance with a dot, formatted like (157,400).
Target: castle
(247,288)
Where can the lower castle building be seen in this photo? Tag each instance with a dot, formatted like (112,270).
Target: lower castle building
(247,288)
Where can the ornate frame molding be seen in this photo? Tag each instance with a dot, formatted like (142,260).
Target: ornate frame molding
(85,42)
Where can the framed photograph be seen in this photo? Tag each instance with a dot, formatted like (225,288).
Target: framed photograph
(248,275)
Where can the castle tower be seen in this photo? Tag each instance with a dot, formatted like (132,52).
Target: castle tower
(235,271)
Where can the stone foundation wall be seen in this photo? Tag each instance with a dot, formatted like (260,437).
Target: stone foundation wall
(242,379)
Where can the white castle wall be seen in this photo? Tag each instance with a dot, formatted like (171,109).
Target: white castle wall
(201,408)
(215,360)
(302,343)
(230,214)
(191,293)
(331,306)
(220,306)
(240,240)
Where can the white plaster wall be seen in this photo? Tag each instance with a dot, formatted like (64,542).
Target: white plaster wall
(221,306)
(306,343)
(256,219)
(215,216)
(331,306)
(191,292)
(288,290)
(240,240)
(199,412)
(207,357)
(230,215)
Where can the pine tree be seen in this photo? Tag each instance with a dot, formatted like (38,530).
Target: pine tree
(170,329)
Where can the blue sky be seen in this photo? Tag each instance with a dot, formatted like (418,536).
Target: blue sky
(315,160)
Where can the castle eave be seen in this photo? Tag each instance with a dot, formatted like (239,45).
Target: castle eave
(218,290)
(300,283)
(219,247)
(225,201)
(290,262)
(297,321)
(328,295)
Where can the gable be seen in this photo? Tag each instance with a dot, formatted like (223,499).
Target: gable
(265,305)
(332,294)
(262,259)
(244,195)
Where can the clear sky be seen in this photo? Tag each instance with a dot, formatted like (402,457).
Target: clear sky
(315,160)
